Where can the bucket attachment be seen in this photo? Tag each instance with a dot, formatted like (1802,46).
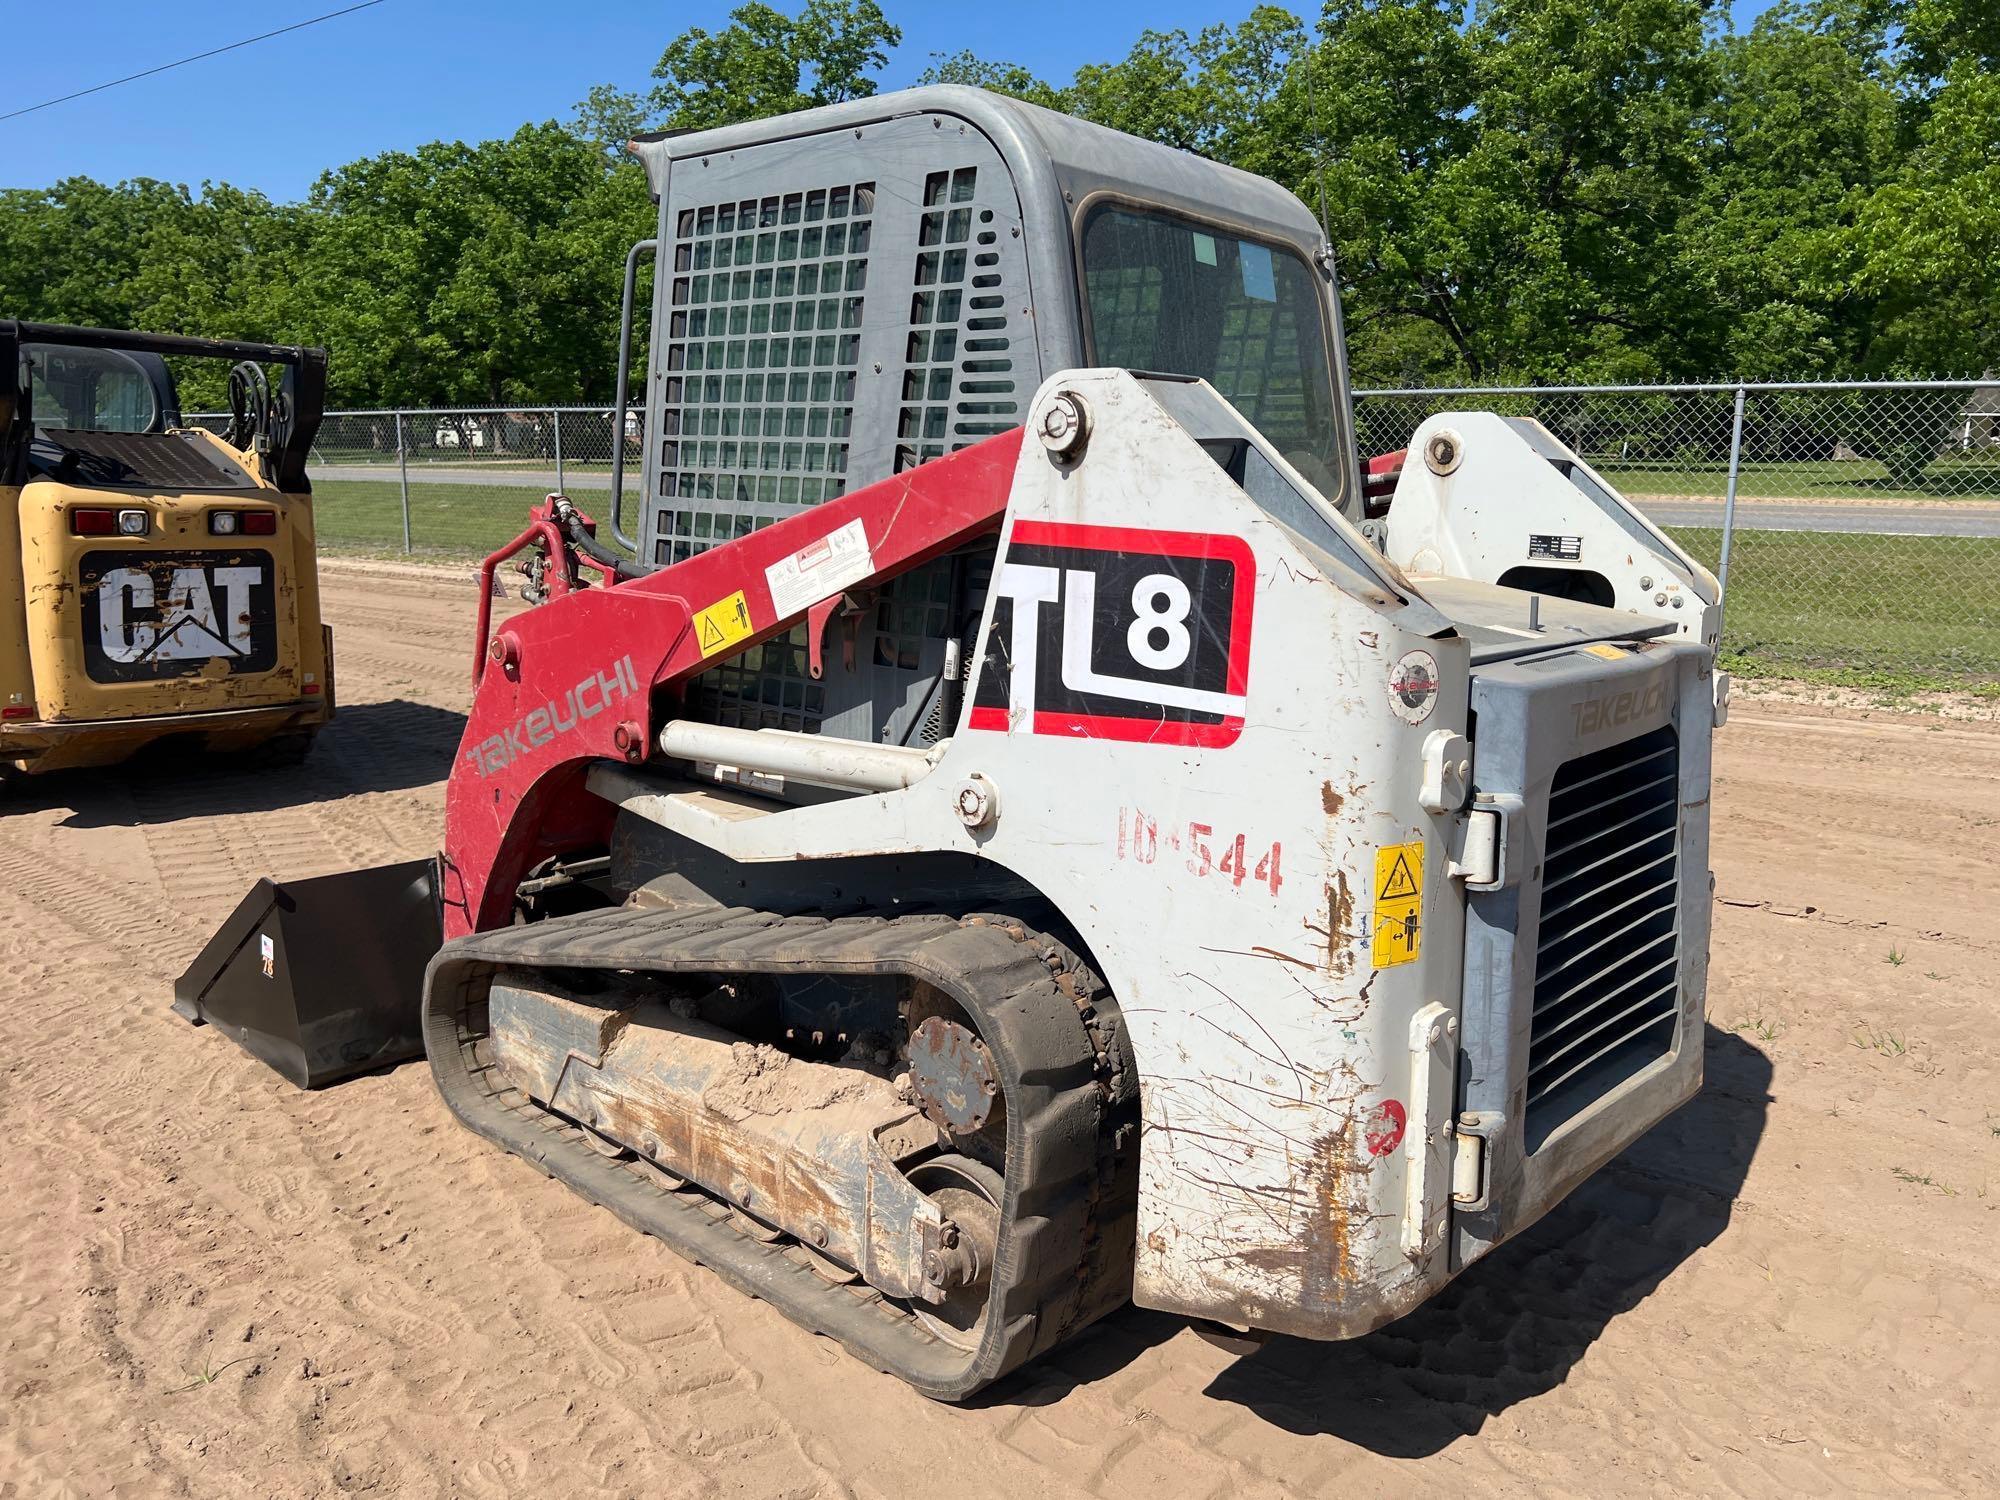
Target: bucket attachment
(322,978)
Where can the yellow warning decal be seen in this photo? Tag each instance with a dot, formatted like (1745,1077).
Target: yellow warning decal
(1399,903)
(723,624)
(1609,653)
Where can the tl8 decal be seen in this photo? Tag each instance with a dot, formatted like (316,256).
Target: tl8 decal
(1105,632)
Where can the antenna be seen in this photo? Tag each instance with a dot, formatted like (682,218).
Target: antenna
(1319,138)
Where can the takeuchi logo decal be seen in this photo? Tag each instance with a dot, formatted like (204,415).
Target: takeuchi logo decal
(536,728)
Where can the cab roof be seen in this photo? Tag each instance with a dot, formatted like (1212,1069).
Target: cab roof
(1057,161)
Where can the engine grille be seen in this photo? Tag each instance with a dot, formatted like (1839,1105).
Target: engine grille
(133,460)
(1607,961)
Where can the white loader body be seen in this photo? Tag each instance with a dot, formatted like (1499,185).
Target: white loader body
(1236,747)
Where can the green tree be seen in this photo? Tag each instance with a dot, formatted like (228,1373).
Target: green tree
(1801,129)
(964,67)
(763,63)
(152,256)
(461,273)
(1548,189)
(1394,89)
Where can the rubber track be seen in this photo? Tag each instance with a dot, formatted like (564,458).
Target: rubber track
(1064,1256)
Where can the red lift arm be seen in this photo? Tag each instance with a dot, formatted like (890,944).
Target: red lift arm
(594,672)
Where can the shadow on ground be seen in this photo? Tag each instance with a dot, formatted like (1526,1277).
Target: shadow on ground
(1512,1326)
(369,747)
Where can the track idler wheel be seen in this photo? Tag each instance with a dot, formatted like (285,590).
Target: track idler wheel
(969,1195)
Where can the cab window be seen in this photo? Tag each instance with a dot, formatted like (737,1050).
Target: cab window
(90,390)
(1174,297)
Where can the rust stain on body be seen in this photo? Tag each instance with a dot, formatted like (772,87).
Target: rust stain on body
(1303,963)
(1326,1275)
(1339,925)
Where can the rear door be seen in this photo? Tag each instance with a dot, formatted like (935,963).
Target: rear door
(148,596)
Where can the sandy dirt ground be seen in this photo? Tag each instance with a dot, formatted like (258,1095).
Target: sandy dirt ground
(213,1285)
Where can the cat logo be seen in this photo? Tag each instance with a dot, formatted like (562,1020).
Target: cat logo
(161,614)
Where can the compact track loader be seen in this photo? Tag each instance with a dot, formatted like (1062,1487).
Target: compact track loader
(158,582)
(1033,827)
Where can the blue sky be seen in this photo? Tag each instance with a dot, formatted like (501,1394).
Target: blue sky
(274,115)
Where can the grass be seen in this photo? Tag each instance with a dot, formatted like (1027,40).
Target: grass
(448,522)
(208,1373)
(1899,614)
(1894,614)
(1766,1031)
(1953,477)
(449,458)
(1884,1043)
(1923,1179)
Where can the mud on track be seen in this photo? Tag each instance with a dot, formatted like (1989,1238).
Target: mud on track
(211,1284)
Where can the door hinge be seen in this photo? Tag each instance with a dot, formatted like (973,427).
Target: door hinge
(1427,1138)
(1468,1163)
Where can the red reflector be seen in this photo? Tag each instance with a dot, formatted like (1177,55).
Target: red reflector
(93,522)
(312,689)
(260,523)
(18,711)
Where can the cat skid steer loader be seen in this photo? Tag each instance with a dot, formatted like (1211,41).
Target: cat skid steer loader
(1029,829)
(157,582)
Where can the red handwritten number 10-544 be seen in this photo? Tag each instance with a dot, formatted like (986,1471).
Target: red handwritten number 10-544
(1140,840)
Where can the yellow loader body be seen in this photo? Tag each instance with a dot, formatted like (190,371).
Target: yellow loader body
(155,585)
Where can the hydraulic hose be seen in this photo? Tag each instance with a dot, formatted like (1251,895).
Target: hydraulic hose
(581,539)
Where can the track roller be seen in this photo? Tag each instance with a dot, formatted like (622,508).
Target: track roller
(1026,1249)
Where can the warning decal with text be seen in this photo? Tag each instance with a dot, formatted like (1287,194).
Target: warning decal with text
(1399,901)
(820,569)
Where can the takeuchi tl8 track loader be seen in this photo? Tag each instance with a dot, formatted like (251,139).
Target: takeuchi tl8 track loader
(1035,826)
(158,582)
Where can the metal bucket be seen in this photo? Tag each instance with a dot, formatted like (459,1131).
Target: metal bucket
(322,978)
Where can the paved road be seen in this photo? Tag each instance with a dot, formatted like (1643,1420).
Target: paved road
(484,478)
(1961,518)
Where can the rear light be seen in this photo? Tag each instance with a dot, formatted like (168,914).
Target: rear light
(93,522)
(312,689)
(260,522)
(134,523)
(222,523)
(248,522)
(18,711)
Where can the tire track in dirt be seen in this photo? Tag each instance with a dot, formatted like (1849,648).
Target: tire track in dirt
(133,924)
(1753,1301)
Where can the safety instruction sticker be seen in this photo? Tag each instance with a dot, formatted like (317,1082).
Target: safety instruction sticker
(820,569)
(1399,903)
(723,624)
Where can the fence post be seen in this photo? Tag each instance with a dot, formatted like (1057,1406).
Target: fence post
(403,477)
(555,415)
(1729,510)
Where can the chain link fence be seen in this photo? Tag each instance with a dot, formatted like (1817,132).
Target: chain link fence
(1857,525)
(458,483)
(453,484)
